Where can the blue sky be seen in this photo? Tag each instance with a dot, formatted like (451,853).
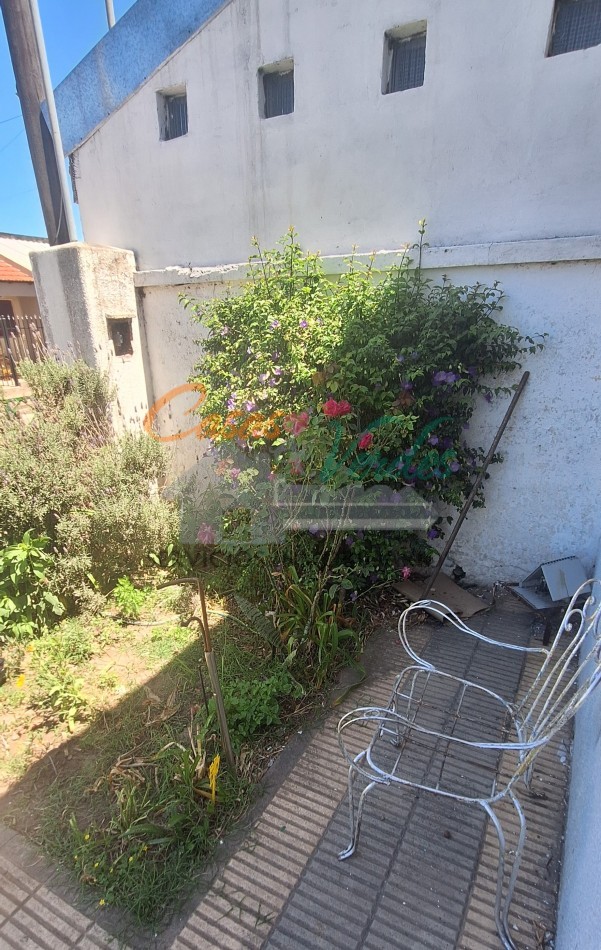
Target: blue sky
(71,29)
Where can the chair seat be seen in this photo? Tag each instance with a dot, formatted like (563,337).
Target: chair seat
(429,736)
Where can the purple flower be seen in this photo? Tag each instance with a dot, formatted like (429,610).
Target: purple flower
(272,383)
(224,331)
(488,397)
(313,529)
(303,324)
(277,370)
(263,377)
(349,540)
(354,596)
(446,443)
(454,466)
(400,358)
(206,534)
(442,377)
(408,387)
(472,371)
(433,440)
(231,403)
(234,473)
(465,425)
(432,533)
(249,405)
(274,324)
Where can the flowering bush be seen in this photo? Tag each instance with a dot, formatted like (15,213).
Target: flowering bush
(367,378)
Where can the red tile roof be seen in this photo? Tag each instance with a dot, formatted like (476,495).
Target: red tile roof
(14,273)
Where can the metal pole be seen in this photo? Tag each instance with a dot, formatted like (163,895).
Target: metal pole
(22,45)
(54,126)
(110,13)
(468,502)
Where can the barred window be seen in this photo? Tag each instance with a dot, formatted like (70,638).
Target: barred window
(576,25)
(404,61)
(173,114)
(277,91)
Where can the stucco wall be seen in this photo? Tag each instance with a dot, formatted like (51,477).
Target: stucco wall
(80,289)
(542,502)
(500,143)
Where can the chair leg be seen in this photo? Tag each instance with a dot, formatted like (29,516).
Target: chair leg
(501,907)
(516,861)
(355,818)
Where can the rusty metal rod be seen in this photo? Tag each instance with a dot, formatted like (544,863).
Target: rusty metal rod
(470,498)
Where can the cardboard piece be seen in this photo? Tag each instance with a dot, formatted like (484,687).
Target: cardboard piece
(445,590)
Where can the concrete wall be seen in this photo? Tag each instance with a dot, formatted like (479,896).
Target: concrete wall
(80,290)
(579,912)
(500,143)
(542,503)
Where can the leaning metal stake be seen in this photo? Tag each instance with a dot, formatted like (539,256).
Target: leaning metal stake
(203,624)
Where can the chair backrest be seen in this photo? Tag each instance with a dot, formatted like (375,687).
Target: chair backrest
(570,670)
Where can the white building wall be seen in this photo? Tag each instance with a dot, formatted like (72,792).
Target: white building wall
(542,502)
(500,143)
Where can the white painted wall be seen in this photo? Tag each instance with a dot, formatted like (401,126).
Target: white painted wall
(579,910)
(500,143)
(542,502)
(80,288)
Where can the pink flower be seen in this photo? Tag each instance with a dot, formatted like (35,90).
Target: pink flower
(406,572)
(206,534)
(366,440)
(333,409)
(296,423)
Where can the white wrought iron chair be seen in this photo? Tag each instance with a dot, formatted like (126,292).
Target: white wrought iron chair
(443,734)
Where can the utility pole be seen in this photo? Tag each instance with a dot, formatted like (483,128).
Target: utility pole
(23,47)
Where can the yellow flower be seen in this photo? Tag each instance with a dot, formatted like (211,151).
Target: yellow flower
(101,902)
(131,858)
(213,773)
(96,864)
(20,681)
(29,648)
(86,837)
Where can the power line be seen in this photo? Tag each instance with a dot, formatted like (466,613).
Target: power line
(12,119)
(10,141)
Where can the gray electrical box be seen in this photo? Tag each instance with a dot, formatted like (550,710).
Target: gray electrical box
(551,582)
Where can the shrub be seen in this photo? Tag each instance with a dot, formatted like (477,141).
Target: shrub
(27,606)
(64,475)
(367,379)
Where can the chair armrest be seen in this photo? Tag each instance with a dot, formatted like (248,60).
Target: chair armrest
(443,612)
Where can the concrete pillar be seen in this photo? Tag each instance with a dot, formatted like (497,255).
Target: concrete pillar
(88,308)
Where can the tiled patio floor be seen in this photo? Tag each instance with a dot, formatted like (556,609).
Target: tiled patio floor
(424,875)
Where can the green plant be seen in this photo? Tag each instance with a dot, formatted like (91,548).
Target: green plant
(144,854)
(27,605)
(70,643)
(313,628)
(68,477)
(128,599)
(57,688)
(362,381)
(252,705)
(173,559)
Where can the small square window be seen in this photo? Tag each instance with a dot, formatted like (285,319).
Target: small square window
(404,60)
(120,332)
(277,90)
(173,114)
(576,25)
